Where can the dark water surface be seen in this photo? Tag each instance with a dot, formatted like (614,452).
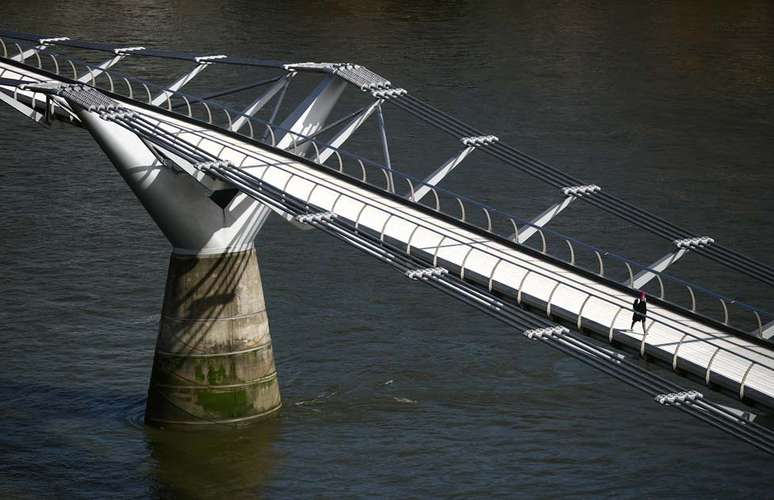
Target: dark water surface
(389,389)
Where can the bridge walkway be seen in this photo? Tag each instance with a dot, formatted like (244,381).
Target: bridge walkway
(686,342)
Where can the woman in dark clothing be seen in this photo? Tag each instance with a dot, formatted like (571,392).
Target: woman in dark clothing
(640,308)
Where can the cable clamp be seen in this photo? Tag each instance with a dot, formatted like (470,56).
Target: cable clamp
(389,93)
(578,191)
(118,114)
(208,165)
(677,398)
(426,273)
(317,217)
(87,97)
(481,140)
(698,242)
(548,332)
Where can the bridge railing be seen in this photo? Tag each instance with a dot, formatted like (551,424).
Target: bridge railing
(679,292)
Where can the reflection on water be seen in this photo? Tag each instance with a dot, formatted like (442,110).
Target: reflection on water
(233,463)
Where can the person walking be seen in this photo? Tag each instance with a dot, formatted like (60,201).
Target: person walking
(640,307)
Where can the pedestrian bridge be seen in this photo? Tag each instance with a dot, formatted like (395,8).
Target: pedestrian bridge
(518,271)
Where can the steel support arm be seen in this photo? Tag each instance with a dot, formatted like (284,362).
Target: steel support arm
(541,220)
(571,194)
(347,132)
(260,102)
(436,177)
(203,62)
(94,73)
(644,277)
(23,55)
(681,248)
(310,115)
(385,146)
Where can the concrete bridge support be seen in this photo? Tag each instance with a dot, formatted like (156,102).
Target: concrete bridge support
(213,364)
(213,361)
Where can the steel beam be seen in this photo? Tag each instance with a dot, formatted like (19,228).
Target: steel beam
(94,73)
(212,230)
(260,102)
(385,146)
(41,46)
(202,61)
(347,132)
(571,193)
(681,248)
(436,177)
(310,115)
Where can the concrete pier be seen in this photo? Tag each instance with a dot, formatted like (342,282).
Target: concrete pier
(213,363)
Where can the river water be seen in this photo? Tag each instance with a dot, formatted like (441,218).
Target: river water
(389,389)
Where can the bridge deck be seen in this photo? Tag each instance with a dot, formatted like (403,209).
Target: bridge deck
(686,343)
